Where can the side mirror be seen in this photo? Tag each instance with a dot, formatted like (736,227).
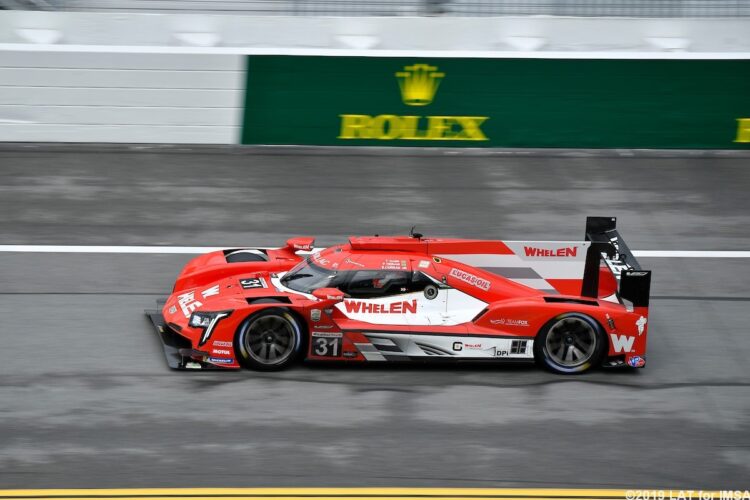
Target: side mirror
(301,243)
(333,294)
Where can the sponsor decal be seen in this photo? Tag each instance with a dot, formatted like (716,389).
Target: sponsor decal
(743,130)
(315,314)
(221,351)
(187,303)
(610,322)
(214,290)
(469,278)
(518,346)
(172,309)
(327,334)
(424,264)
(350,354)
(350,261)
(221,343)
(636,362)
(249,283)
(550,252)
(222,361)
(510,322)
(617,267)
(622,343)
(641,324)
(418,84)
(394,265)
(320,260)
(473,346)
(403,307)
(500,352)
(306,246)
(425,128)
(458,346)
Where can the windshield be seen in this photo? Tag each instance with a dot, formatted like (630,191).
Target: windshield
(306,277)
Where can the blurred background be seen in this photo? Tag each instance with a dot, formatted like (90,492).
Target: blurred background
(598,8)
(127,125)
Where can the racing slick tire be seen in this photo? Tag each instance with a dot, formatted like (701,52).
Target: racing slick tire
(269,340)
(570,343)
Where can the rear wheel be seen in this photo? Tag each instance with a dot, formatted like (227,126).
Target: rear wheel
(570,343)
(269,340)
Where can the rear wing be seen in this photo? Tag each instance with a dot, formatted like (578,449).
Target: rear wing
(608,247)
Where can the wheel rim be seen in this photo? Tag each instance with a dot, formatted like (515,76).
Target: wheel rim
(269,339)
(571,342)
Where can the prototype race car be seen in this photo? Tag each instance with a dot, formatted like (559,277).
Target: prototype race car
(569,306)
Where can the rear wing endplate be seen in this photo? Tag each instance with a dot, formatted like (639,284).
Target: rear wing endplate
(608,246)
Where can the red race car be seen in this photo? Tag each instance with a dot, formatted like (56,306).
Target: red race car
(569,306)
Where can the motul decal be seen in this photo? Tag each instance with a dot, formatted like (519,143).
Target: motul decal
(470,279)
(622,343)
(404,307)
(550,252)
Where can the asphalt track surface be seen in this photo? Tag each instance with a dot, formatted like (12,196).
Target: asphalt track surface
(86,399)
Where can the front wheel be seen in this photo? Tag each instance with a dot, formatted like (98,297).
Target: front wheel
(269,340)
(570,343)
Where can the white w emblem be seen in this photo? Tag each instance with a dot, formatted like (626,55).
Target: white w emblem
(622,343)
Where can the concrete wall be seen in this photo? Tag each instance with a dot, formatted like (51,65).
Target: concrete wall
(101,97)
(389,33)
(179,78)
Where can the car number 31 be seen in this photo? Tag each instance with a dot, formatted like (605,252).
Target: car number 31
(329,346)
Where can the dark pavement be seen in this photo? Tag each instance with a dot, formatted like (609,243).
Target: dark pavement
(86,399)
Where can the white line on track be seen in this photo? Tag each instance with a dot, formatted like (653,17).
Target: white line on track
(690,254)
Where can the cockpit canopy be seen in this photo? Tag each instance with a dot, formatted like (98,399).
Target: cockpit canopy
(358,275)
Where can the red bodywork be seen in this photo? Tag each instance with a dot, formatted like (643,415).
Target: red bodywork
(492,293)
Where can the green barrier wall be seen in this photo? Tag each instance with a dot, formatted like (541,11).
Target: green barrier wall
(363,101)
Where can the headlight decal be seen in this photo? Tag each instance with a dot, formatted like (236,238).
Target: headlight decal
(207,322)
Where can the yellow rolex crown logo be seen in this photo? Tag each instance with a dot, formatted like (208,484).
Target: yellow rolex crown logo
(418,84)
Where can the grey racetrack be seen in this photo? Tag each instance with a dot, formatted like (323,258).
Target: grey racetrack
(86,399)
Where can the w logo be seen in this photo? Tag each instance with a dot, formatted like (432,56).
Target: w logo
(622,343)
